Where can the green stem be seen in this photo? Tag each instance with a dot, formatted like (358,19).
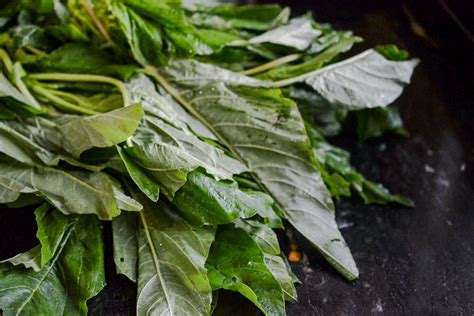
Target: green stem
(73,97)
(272,64)
(19,83)
(6,60)
(84,78)
(61,103)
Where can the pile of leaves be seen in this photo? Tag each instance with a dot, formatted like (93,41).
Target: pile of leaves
(197,131)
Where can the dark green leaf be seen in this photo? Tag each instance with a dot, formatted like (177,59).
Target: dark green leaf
(237,263)
(205,201)
(73,275)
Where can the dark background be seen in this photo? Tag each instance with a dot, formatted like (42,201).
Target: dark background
(412,261)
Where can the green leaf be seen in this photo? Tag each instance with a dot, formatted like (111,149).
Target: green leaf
(267,132)
(155,28)
(172,278)
(392,52)
(267,240)
(298,33)
(237,263)
(81,58)
(205,201)
(371,123)
(144,37)
(263,235)
(145,182)
(72,192)
(51,140)
(63,286)
(52,227)
(250,17)
(101,130)
(282,273)
(366,80)
(125,242)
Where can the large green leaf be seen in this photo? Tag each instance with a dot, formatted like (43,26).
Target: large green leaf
(172,279)
(237,263)
(366,80)
(74,274)
(266,131)
(72,192)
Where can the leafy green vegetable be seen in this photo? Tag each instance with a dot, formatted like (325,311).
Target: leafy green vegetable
(209,160)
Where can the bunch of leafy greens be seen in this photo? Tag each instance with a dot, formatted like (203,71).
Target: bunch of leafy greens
(196,130)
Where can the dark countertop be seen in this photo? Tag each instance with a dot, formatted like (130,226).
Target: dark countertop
(412,261)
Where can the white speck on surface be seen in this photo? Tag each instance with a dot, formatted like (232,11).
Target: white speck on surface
(443,182)
(366,285)
(382,147)
(378,308)
(345,224)
(429,169)
(463,167)
(429,152)
(449,222)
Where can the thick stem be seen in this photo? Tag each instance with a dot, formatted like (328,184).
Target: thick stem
(84,78)
(6,60)
(61,103)
(71,96)
(272,64)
